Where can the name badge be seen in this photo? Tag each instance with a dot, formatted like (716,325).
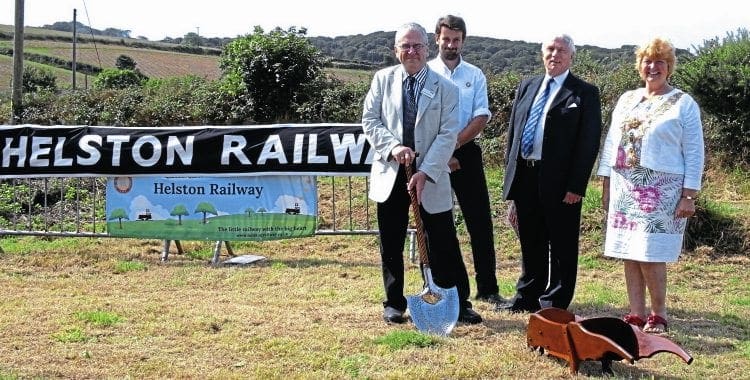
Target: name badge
(427,93)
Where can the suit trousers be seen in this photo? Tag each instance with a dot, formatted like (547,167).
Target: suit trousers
(548,230)
(443,249)
(470,186)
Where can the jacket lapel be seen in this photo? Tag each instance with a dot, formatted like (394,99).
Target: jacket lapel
(398,88)
(430,87)
(565,91)
(527,101)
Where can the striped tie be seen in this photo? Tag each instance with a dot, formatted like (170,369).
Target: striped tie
(410,112)
(529,130)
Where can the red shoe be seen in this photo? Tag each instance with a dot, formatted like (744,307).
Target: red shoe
(634,320)
(656,325)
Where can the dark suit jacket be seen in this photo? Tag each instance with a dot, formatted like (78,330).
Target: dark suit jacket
(572,134)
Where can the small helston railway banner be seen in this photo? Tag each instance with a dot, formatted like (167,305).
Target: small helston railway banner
(212,208)
(282,149)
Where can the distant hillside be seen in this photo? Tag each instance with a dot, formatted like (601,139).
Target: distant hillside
(491,54)
(195,55)
(190,39)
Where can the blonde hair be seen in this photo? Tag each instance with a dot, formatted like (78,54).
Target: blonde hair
(658,48)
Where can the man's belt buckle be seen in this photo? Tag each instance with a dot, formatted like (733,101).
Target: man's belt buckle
(531,163)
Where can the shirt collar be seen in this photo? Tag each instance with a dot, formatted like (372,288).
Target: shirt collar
(420,76)
(445,67)
(558,80)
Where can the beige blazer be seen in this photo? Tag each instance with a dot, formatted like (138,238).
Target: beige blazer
(435,134)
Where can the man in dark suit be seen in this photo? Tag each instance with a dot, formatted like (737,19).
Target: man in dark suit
(411,109)
(553,140)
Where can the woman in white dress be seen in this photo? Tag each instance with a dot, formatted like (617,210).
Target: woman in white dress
(651,164)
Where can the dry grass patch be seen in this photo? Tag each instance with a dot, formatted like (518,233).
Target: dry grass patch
(109,308)
(312,310)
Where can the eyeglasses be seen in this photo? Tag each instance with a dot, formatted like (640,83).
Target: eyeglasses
(408,47)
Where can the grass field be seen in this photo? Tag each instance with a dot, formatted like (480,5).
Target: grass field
(153,63)
(109,308)
(313,311)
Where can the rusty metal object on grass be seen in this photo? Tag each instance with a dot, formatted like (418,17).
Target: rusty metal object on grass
(564,335)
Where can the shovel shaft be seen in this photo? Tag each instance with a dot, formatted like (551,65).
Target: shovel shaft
(436,310)
(421,242)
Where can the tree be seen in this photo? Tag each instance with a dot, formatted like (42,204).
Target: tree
(179,211)
(192,39)
(719,80)
(206,208)
(36,79)
(500,91)
(119,214)
(336,102)
(118,79)
(114,32)
(275,69)
(125,62)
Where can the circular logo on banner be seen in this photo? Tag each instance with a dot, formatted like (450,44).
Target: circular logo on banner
(123,184)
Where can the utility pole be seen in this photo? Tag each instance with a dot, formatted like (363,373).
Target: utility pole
(73,66)
(15,102)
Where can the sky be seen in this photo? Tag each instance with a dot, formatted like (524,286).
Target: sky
(589,22)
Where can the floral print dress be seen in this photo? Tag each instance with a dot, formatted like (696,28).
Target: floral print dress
(641,223)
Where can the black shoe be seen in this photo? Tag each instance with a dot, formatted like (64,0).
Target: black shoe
(513,308)
(469,316)
(393,315)
(493,299)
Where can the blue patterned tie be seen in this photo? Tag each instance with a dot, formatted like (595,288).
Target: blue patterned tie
(529,130)
(410,112)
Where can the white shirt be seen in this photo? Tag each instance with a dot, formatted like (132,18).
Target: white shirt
(472,86)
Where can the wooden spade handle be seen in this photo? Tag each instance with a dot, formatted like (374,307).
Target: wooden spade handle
(421,243)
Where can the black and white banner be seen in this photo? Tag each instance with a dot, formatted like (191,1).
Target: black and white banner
(281,149)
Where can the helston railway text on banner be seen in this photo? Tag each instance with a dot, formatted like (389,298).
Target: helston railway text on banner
(284,149)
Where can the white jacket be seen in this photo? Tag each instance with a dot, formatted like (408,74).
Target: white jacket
(673,143)
(434,134)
